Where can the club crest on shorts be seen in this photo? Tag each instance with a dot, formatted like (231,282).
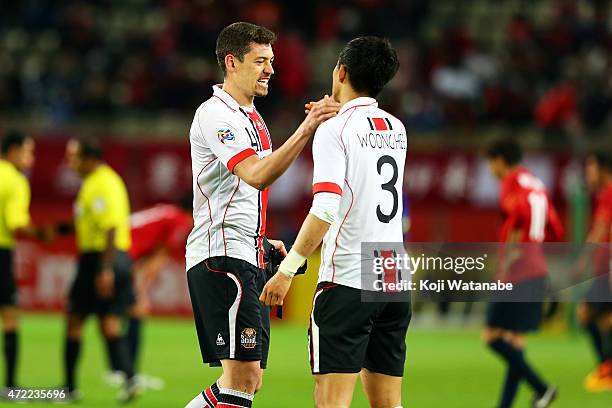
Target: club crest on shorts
(225,135)
(248,338)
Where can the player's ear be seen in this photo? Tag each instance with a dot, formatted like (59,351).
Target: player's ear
(342,73)
(230,63)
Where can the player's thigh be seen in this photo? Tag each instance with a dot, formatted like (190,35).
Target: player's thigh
(82,298)
(230,320)
(334,390)
(339,331)
(124,296)
(584,313)
(386,352)
(383,391)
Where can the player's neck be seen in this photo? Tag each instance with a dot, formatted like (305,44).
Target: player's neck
(346,95)
(10,159)
(237,94)
(510,170)
(89,169)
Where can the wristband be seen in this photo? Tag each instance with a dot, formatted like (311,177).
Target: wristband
(291,263)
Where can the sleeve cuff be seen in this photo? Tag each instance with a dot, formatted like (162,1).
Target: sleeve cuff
(326,187)
(231,163)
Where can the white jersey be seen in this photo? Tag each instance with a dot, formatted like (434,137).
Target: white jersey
(360,155)
(229,215)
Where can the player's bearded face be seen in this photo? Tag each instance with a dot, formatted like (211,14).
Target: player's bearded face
(256,70)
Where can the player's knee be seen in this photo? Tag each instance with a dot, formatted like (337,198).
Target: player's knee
(584,315)
(73,328)
(318,394)
(110,327)
(490,335)
(605,321)
(259,381)
(325,397)
(246,379)
(384,402)
(518,341)
(10,320)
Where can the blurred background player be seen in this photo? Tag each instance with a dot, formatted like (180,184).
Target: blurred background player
(103,282)
(529,219)
(595,314)
(233,165)
(17,157)
(348,337)
(158,232)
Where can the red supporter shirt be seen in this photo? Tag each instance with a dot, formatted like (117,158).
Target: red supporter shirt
(603,216)
(161,225)
(526,208)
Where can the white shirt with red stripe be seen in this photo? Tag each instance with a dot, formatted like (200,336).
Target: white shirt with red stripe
(229,215)
(359,154)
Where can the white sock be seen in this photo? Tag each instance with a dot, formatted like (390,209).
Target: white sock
(229,398)
(198,402)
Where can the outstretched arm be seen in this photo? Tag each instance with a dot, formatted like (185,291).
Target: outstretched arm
(260,173)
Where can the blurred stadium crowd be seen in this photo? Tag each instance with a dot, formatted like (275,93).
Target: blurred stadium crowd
(464,65)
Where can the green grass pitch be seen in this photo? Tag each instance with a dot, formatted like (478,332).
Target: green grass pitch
(445,367)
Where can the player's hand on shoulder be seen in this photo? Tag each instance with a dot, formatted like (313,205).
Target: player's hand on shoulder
(320,111)
(276,289)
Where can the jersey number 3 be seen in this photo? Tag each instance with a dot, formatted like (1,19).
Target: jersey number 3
(388,186)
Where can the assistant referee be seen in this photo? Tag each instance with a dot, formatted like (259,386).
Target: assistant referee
(17,156)
(103,281)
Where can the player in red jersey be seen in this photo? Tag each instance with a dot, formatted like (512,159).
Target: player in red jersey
(529,220)
(157,233)
(595,313)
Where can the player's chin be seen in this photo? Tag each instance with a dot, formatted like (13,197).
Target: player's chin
(261,91)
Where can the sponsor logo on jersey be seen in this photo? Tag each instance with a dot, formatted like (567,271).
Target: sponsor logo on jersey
(248,338)
(220,341)
(225,135)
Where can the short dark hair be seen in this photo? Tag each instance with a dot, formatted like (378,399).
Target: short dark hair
(89,148)
(371,62)
(603,160)
(236,39)
(508,149)
(12,138)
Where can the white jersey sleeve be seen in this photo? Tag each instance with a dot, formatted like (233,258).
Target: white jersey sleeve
(329,159)
(229,144)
